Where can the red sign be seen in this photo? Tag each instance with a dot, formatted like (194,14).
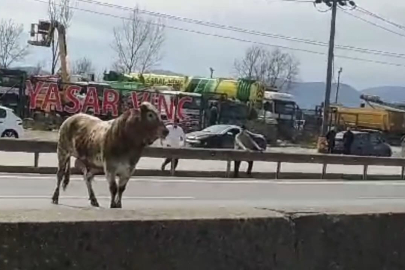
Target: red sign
(46,96)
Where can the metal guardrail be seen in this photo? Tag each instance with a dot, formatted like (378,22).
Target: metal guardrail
(38,146)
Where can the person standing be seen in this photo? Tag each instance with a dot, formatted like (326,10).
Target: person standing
(175,138)
(348,139)
(330,138)
(213,115)
(243,141)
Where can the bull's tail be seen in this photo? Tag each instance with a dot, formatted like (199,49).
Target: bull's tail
(63,166)
(66,176)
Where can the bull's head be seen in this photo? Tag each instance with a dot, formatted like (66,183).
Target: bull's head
(148,123)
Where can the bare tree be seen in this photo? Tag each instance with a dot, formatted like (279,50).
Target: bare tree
(274,69)
(138,43)
(11,49)
(246,67)
(61,11)
(151,53)
(83,66)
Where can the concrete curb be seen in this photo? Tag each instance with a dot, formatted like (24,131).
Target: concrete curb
(213,174)
(318,242)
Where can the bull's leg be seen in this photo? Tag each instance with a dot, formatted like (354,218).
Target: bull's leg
(236,169)
(250,167)
(88,177)
(63,160)
(113,188)
(122,184)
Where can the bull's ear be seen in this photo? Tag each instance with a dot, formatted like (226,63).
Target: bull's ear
(144,107)
(133,111)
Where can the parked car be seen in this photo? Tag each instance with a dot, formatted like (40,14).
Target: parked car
(10,124)
(220,136)
(366,143)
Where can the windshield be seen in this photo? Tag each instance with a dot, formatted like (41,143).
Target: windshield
(215,128)
(284,107)
(232,111)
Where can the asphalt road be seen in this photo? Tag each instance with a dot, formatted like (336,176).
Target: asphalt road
(27,192)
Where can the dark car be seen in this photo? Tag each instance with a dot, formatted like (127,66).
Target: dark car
(220,136)
(366,143)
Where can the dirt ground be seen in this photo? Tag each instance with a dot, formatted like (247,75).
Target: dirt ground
(43,135)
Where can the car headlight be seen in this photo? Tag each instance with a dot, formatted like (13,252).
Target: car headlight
(192,140)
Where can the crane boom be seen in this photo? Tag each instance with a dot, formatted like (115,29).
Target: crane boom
(43,35)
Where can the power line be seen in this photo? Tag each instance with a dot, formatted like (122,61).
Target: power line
(296,1)
(372,23)
(234,38)
(205,23)
(367,12)
(247,31)
(191,31)
(369,60)
(293,1)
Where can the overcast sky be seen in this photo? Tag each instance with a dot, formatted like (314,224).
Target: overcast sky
(91,35)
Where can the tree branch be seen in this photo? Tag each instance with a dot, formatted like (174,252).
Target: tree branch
(138,43)
(11,49)
(274,69)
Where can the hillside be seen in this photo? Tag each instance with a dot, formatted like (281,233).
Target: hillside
(311,94)
(387,93)
(32,70)
(165,72)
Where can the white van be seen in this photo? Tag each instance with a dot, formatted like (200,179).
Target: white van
(10,124)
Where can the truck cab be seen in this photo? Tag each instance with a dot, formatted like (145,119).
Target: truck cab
(279,106)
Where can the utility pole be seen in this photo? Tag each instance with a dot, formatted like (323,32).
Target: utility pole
(338,85)
(333,4)
(325,120)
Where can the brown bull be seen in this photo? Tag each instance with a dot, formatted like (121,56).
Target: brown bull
(114,147)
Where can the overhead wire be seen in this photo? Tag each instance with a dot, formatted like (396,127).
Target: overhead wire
(372,23)
(247,31)
(204,23)
(291,1)
(238,39)
(296,1)
(367,12)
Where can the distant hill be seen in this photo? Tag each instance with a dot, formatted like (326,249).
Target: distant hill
(311,94)
(387,93)
(165,72)
(33,70)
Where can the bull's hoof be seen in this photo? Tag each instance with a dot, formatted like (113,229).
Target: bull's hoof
(55,199)
(94,203)
(64,186)
(116,205)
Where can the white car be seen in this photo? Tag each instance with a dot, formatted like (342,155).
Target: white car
(10,124)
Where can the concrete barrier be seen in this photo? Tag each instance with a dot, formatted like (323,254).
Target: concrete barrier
(363,241)
(267,240)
